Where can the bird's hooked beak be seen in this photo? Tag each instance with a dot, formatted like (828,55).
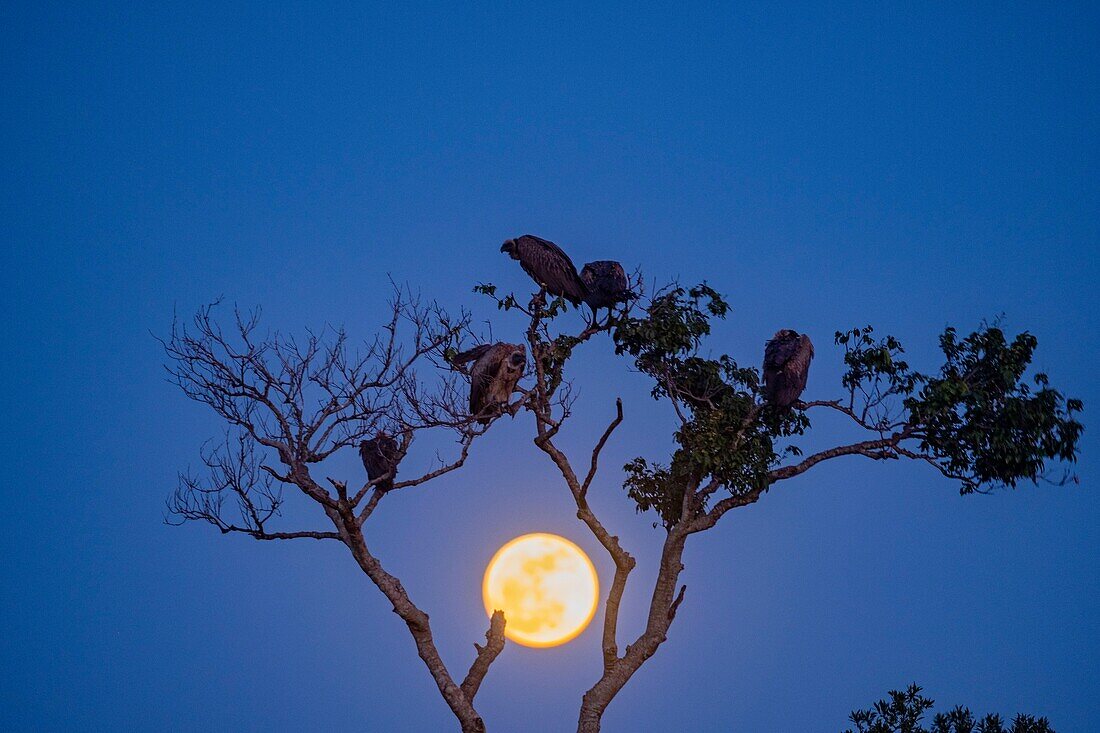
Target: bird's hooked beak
(509,247)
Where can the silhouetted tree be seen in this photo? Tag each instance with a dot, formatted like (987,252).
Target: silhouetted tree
(904,712)
(978,419)
(299,402)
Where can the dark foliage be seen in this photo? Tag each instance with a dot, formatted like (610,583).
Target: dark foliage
(980,420)
(723,433)
(875,365)
(903,712)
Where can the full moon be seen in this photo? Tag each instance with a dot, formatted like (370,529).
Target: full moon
(546,586)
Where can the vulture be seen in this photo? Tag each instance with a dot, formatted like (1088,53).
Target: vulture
(548,266)
(607,284)
(380,455)
(786,365)
(493,376)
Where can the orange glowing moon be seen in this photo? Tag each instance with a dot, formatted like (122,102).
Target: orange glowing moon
(546,586)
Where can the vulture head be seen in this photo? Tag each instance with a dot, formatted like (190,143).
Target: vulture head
(517,360)
(512,363)
(509,248)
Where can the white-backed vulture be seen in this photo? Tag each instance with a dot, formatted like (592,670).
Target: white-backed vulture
(787,359)
(380,455)
(548,266)
(493,376)
(607,284)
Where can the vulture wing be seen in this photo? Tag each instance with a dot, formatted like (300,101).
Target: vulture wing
(778,352)
(606,283)
(483,373)
(549,265)
(379,456)
(799,363)
(786,367)
(459,360)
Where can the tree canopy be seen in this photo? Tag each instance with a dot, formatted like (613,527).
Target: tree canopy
(980,419)
(903,711)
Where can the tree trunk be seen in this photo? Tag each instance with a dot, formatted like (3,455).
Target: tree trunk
(419,627)
(662,609)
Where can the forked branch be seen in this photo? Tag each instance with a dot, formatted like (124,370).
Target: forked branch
(305,400)
(494,644)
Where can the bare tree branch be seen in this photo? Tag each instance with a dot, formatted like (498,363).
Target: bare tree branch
(602,442)
(624,561)
(236,478)
(417,623)
(884,448)
(494,644)
(305,400)
(617,670)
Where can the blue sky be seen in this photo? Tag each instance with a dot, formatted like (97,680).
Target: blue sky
(906,167)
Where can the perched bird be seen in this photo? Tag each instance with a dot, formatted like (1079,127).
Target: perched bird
(548,266)
(496,370)
(786,365)
(607,284)
(380,455)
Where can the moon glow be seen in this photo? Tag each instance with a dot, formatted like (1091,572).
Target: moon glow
(546,586)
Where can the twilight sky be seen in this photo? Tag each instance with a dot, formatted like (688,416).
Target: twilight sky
(903,167)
